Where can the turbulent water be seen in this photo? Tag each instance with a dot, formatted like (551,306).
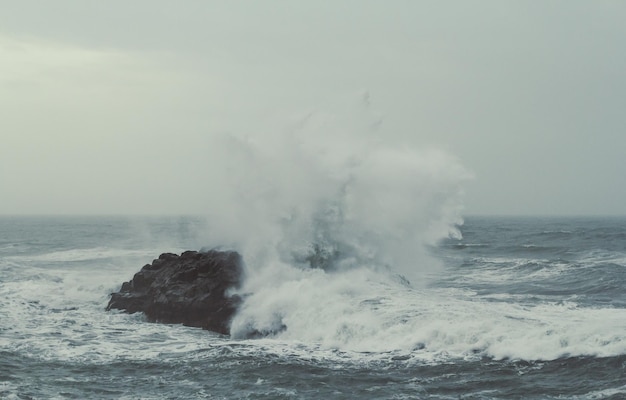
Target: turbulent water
(515,308)
(358,268)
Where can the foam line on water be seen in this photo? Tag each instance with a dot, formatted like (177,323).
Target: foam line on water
(71,255)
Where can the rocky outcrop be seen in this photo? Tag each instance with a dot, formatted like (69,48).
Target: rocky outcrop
(190,289)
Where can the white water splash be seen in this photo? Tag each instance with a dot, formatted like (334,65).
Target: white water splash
(336,194)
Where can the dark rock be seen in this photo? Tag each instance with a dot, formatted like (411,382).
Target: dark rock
(190,289)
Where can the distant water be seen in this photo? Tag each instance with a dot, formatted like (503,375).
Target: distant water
(531,308)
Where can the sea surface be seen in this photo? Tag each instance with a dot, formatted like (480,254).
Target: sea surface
(516,308)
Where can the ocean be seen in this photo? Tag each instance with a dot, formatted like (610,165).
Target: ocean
(509,308)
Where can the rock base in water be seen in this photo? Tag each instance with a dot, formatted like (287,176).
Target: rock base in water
(190,289)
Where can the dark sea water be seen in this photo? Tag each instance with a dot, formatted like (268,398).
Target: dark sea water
(519,308)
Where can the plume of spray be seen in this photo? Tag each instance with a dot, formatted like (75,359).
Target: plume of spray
(327,197)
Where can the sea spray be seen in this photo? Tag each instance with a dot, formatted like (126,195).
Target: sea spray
(332,185)
(335,195)
(489,327)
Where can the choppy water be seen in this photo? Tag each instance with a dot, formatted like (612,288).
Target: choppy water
(519,308)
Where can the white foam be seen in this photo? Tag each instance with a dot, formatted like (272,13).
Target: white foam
(600,257)
(357,312)
(604,394)
(356,315)
(63,318)
(496,270)
(71,255)
(57,312)
(9,390)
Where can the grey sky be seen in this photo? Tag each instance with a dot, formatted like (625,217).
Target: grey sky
(105,107)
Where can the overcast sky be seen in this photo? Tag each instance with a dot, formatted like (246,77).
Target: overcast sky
(106,106)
